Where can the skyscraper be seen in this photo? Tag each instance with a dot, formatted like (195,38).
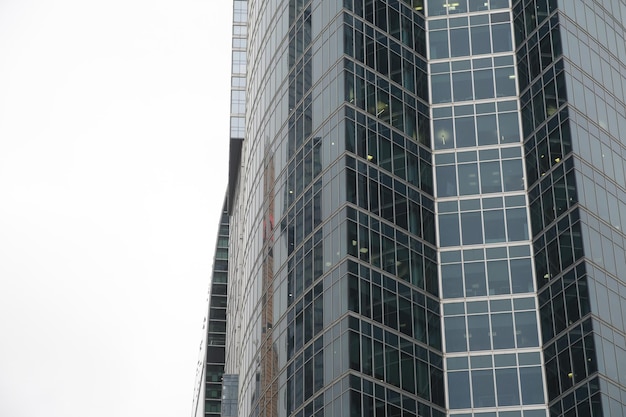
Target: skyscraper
(427,212)
(207,399)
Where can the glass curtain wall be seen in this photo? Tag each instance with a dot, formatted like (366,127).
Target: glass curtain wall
(493,356)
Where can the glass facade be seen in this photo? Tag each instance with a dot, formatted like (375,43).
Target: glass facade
(208,389)
(571,59)
(427,210)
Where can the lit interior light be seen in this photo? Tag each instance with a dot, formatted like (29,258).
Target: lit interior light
(370,157)
(290,191)
(451,6)
(363,250)
(354,243)
(546,276)
(381,107)
(512,77)
(443,135)
(570,375)
(557,159)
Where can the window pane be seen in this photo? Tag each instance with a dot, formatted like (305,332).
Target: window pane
(478,332)
(468,179)
(502,331)
(437,7)
(465,132)
(439,44)
(517,224)
(509,127)
(458,6)
(460,395)
(452,281)
(505,82)
(521,275)
(498,277)
(462,86)
(494,226)
(477,5)
(472,226)
(455,334)
(487,131)
(532,385)
(483,84)
(459,42)
(442,92)
(501,38)
(508,389)
(490,177)
(443,133)
(475,279)
(449,230)
(513,175)
(446,181)
(526,329)
(482,385)
(481,44)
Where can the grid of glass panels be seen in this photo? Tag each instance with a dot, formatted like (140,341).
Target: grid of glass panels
(573,111)
(490,324)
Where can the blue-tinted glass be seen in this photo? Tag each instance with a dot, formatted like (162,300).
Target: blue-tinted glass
(475,279)
(526,329)
(439,44)
(449,230)
(468,179)
(509,127)
(507,386)
(501,35)
(487,130)
(442,93)
(478,332)
(477,5)
(532,385)
(521,275)
(446,181)
(498,277)
(505,82)
(499,4)
(459,42)
(481,43)
(452,280)
(502,331)
(443,133)
(460,395)
(490,177)
(457,6)
(517,224)
(472,228)
(465,132)
(513,175)
(455,334)
(462,86)
(483,84)
(483,390)
(494,226)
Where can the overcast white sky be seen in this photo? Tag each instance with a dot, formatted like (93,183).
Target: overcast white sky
(113,150)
